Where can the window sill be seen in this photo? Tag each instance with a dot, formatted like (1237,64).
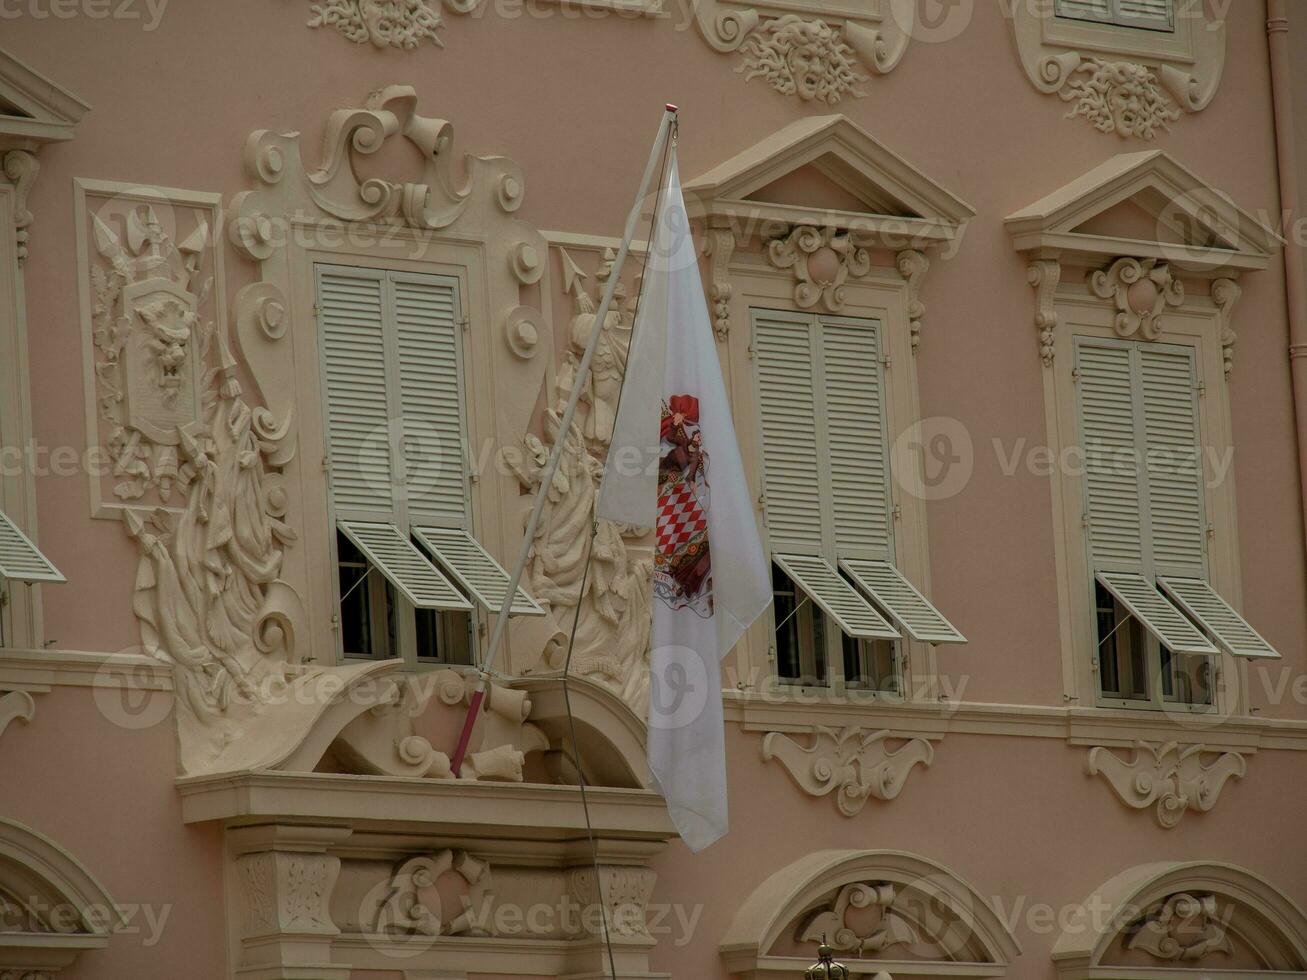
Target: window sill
(1117,727)
(41,670)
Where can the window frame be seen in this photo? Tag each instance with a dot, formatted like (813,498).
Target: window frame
(386,597)
(883,296)
(1194,324)
(1117,18)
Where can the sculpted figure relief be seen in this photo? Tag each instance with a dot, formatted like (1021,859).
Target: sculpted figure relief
(806,58)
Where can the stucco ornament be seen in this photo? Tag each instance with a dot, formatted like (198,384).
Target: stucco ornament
(604,383)
(1171,775)
(805,58)
(21,168)
(1141,290)
(1118,97)
(853,763)
(382,23)
(1145,79)
(413,904)
(613,622)
(1184,927)
(822,260)
(150,338)
(861,919)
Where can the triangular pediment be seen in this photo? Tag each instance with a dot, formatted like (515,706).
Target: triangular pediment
(1144,205)
(829,172)
(34,109)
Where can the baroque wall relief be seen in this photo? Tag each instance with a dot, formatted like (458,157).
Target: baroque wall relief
(1175,777)
(882,907)
(613,619)
(1176,917)
(401,24)
(821,53)
(1133,82)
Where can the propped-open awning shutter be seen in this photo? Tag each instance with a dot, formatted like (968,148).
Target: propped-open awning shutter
(836,597)
(1107,436)
(911,610)
(403,565)
(427,346)
(1173,458)
(1157,15)
(1218,617)
(351,313)
(852,390)
(20,560)
(473,568)
(1155,611)
(783,349)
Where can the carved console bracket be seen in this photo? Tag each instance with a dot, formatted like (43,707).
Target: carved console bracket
(1044,275)
(1171,775)
(720,246)
(819,55)
(853,763)
(1147,80)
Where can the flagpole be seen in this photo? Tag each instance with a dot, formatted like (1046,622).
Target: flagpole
(564,428)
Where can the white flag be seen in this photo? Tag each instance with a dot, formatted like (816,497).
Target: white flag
(674,464)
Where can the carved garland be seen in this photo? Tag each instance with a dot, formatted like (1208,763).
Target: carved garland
(1171,775)
(853,763)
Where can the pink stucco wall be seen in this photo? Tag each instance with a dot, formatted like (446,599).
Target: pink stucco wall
(574,101)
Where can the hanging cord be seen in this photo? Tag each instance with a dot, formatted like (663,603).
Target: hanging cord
(565,677)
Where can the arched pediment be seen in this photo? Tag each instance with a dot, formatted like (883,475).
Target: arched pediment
(1168,919)
(891,910)
(51,906)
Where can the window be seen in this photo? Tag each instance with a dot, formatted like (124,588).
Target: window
(1151,15)
(1159,623)
(20,561)
(411,577)
(842,609)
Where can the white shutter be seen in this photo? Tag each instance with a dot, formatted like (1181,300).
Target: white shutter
(1085,9)
(473,568)
(900,598)
(852,393)
(427,347)
(836,597)
(407,569)
(1231,630)
(1173,458)
(20,560)
(1156,15)
(1151,608)
(351,318)
(783,349)
(1107,437)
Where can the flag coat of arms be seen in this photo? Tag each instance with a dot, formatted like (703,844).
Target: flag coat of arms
(674,465)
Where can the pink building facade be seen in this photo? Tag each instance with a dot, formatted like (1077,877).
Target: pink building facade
(1010,299)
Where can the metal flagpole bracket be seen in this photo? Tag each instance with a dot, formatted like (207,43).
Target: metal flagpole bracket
(665,127)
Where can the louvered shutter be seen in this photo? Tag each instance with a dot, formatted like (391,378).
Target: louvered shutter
(20,560)
(1107,434)
(1085,9)
(917,616)
(852,398)
(1156,15)
(1218,617)
(783,350)
(1142,599)
(391,552)
(431,399)
(351,314)
(836,597)
(474,569)
(1173,458)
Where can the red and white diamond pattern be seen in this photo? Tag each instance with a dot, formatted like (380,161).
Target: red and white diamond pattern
(680,518)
